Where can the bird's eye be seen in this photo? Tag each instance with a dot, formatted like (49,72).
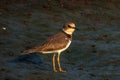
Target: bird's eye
(71,27)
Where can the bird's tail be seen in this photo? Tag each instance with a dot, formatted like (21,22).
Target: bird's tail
(27,51)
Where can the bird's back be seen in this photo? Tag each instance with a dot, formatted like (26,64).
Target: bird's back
(53,43)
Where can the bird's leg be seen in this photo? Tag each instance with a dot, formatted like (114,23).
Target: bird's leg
(53,62)
(58,59)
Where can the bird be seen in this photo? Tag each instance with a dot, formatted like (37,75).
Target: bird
(55,44)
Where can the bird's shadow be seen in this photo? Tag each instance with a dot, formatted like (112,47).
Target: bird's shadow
(28,59)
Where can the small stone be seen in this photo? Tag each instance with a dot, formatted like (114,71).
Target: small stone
(4,28)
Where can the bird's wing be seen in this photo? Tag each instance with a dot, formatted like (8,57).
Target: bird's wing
(55,42)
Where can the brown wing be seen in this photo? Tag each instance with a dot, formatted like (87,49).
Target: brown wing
(54,42)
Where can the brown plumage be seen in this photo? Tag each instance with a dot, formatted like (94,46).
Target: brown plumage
(51,43)
(55,44)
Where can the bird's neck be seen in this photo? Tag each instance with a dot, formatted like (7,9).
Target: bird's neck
(69,32)
(68,35)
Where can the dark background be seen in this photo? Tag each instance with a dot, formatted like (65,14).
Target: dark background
(93,55)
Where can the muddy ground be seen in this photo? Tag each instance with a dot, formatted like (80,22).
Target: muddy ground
(93,55)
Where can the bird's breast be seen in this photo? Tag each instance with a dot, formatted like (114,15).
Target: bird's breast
(68,44)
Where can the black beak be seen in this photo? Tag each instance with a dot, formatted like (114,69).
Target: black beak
(74,28)
(77,29)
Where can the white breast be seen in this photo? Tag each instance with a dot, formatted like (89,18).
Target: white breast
(68,44)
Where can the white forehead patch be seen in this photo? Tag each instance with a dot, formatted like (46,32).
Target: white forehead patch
(72,25)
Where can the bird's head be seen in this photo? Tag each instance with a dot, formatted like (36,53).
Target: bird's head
(69,28)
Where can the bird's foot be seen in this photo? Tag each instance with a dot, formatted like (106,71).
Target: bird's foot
(62,70)
(55,70)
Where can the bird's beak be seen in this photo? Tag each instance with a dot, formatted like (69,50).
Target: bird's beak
(73,28)
(77,29)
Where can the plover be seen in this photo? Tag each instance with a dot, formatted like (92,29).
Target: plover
(56,44)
